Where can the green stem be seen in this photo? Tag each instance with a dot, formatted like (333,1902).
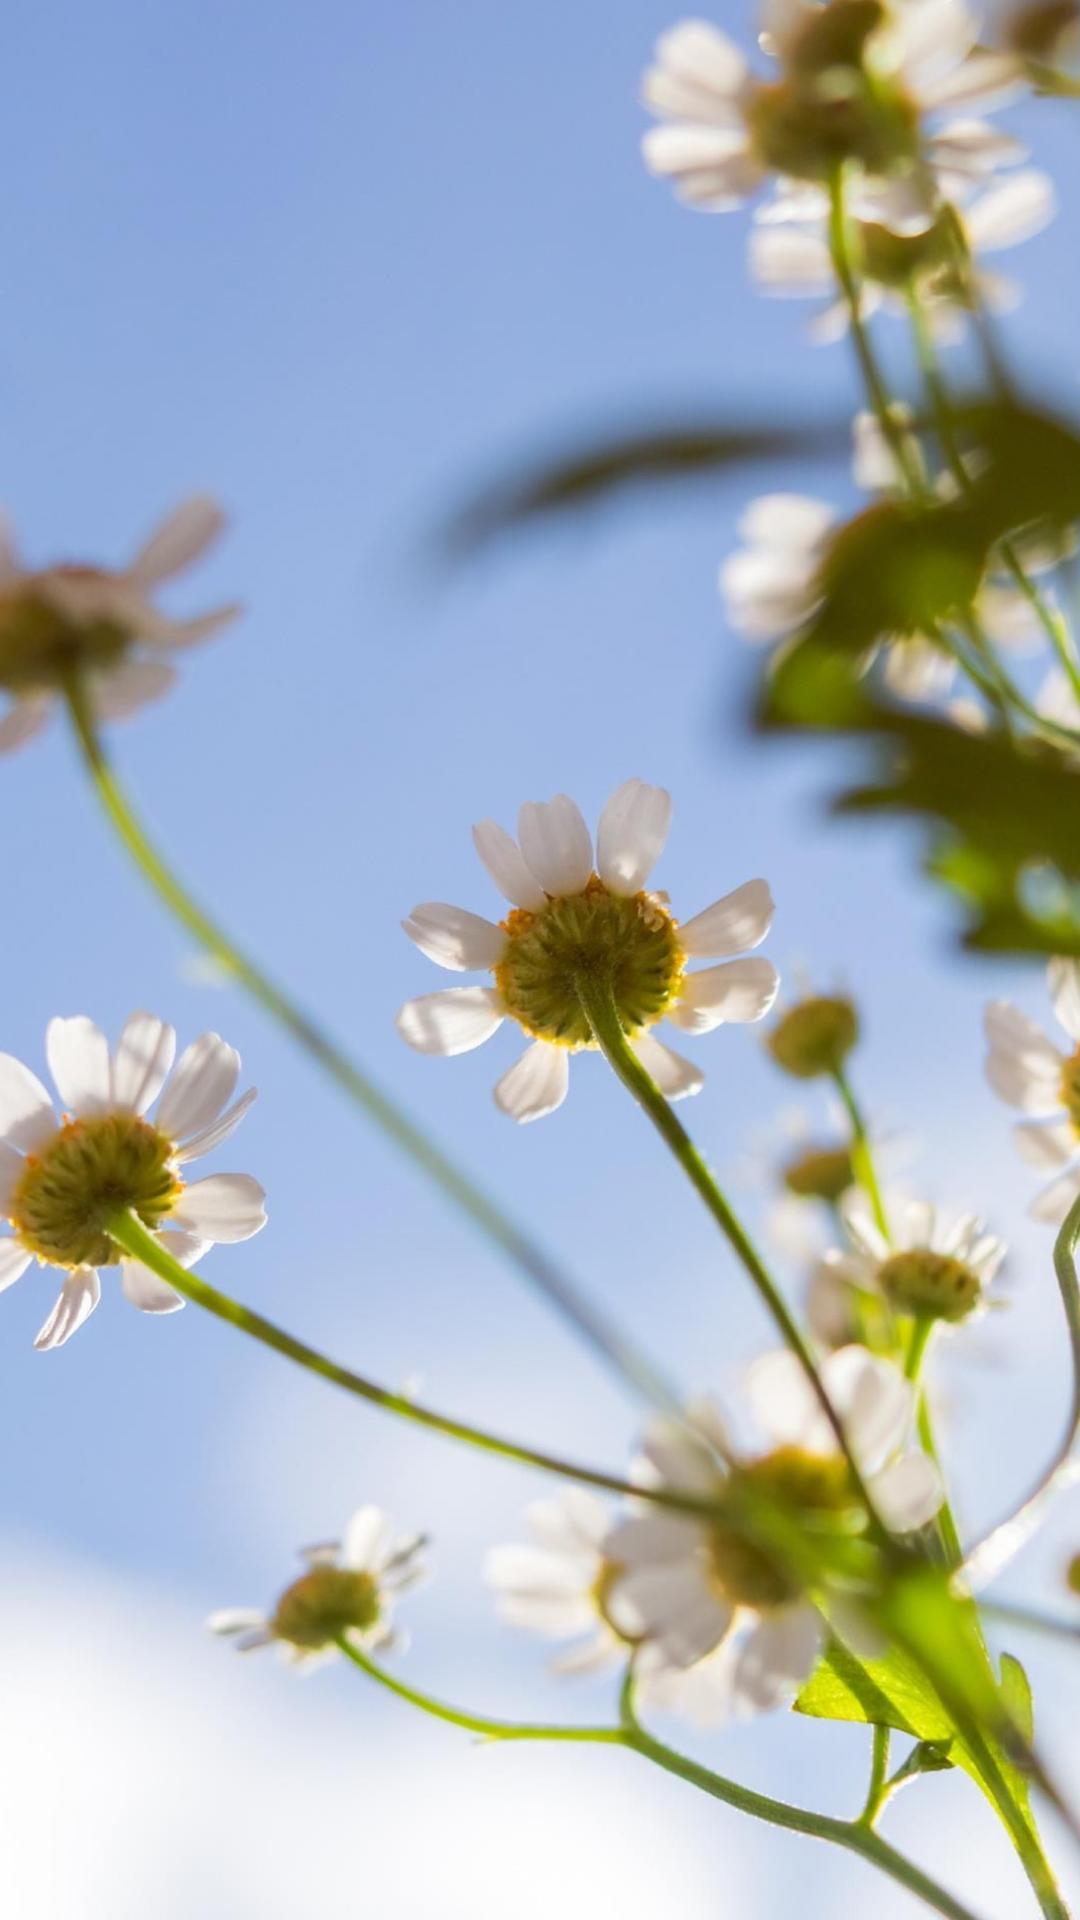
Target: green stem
(1003,1542)
(127,1230)
(877,1791)
(918,1341)
(849,1834)
(1030,1620)
(598,1005)
(594,1326)
(862,1158)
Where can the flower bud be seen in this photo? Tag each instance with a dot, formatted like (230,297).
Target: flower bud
(820,1173)
(323,1604)
(815,1036)
(1072,1574)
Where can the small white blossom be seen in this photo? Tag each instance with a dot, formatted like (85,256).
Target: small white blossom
(1028,1071)
(348,1590)
(557,1586)
(61,1180)
(99,623)
(932,1262)
(568,902)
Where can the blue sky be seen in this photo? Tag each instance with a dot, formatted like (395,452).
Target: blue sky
(337,265)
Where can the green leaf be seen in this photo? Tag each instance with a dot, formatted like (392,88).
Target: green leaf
(880,1693)
(1016,1693)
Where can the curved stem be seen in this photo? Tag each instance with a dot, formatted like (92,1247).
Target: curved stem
(1004,1541)
(862,1158)
(594,1326)
(850,1835)
(599,1007)
(877,1791)
(127,1230)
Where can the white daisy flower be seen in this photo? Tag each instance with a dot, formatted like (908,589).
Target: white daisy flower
(935,1265)
(571,911)
(736,1632)
(790,256)
(557,1587)
(101,624)
(61,1180)
(726,129)
(773,585)
(1028,1071)
(348,1591)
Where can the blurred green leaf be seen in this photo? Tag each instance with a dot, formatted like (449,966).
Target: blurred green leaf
(880,1693)
(591,472)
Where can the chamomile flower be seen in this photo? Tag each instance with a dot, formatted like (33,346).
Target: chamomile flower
(850,84)
(557,1586)
(1028,1071)
(575,915)
(73,619)
(737,1632)
(348,1591)
(790,256)
(62,1180)
(934,1265)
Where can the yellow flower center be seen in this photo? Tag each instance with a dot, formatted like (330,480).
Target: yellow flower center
(747,1574)
(832,105)
(814,1037)
(936,1284)
(1070,1088)
(40,645)
(628,942)
(91,1168)
(323,1603)
(821,1173)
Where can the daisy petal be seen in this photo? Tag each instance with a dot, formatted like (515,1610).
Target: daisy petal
(908,1492)
(78,1297)
(738,990)
(630,838)
(205,1078)
(142,1061)
(235,1620)
(556,844)
(366,1538)
(224,1208)
(779,1653)
(176,635)
(178,540)
(536,1084)
(505,863)
(874,1401)
(1063,977)
(453,1021)
(676,1078)
(1046,1144)
(732,925)
(1023,1066)
(78,1056)
(145,1290)
(14,1261)
(22,722)
(1013,211)
(1053,1203)
(453,938)
(131,687)
(27,1118)
(212,1136)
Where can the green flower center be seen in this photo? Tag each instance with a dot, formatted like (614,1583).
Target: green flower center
(40,646)
(630,943)
(324,1603)
(935,1284)
(821,1173)
(89,1169)
(807,1484)
(814,1037)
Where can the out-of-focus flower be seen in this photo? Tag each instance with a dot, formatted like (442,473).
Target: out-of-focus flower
(851,84)
(790,256)
(100,625)
(934,1265)
(814,1035)
(1028,1071)
(558,1586)
(348,1591)
(570,918)
(735,1630)
(1057,700)
(62,1181)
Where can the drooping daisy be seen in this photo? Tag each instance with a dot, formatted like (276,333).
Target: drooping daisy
(1028,1071)
(62,1180)
(934,1265)
(790,256)
(557,1587)
(100,624)
(739,1634)
(348,1591)
(853,85)
(571,917)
